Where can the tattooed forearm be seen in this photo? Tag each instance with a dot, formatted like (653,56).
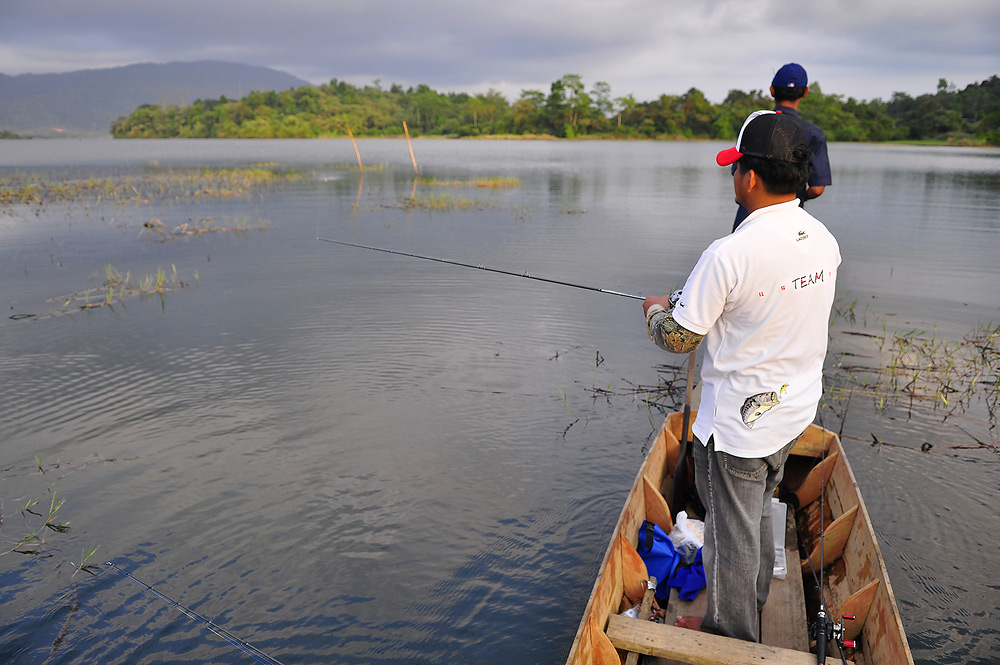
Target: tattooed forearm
(670,335)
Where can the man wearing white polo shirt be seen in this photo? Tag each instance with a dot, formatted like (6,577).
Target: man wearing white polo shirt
(760,299)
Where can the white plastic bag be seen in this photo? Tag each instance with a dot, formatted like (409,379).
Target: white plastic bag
(687,536)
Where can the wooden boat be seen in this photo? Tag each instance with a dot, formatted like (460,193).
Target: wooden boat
(855,580)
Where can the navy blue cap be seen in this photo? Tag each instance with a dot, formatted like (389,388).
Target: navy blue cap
(792,75)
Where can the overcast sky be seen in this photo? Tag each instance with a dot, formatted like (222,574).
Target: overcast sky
(855,48)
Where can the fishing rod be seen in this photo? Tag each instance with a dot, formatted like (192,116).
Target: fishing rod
(825,630)
(482,267)
(681,491)
(245,647)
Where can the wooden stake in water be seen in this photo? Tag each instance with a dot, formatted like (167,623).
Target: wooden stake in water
(406,130)
(356,151)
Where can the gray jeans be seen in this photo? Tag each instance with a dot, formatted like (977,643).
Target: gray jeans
(739,542)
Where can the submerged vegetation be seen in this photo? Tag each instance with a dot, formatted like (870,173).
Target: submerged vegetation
(900,375)
(39,523)
(442,202)
(132,194)
(118,286)
(439,202)
(918,373)
(490,183)
(201,226)
(31,540)
(567,110)
(167,185)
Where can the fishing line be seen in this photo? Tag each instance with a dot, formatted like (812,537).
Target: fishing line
(482,267)
(245,647)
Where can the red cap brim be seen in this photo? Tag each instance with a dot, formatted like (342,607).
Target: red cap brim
(728,156)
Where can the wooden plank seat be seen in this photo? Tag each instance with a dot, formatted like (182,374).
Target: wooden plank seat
(696,648)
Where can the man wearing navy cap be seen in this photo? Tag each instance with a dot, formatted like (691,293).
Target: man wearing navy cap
(760,298)
(789,87)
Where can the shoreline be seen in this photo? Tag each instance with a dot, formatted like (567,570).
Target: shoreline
(931,143)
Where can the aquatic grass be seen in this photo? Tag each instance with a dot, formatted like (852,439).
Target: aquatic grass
(665,396)
(28,505)
(490,183)
(904,374)
(232,182)
(118,286)
(33,544)
(50,522)
(576,418)
(344,166)
(33,541)
(202,226)
(918,373)
(165,185)
(23,193)
(844,311)
(83,566)
(20,188)
(566,402)
(439,202)
(598,361)
(26,545)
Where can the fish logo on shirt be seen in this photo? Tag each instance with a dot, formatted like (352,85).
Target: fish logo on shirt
(757,405)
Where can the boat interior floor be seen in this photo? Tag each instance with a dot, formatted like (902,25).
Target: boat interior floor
(783,621)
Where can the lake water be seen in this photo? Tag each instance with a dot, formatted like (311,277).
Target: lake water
(348,456)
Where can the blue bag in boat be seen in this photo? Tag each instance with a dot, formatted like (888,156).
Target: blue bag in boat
(658,553)
(689,580)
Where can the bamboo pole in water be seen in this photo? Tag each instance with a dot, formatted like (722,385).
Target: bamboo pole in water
(356,151)
(407,131)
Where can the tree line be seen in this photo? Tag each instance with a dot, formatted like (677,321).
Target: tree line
(567,110)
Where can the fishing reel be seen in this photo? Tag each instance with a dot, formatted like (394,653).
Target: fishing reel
(825,632)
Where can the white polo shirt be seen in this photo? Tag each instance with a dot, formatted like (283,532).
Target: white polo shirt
(762,298)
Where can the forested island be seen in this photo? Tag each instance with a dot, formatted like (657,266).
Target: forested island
(969,116)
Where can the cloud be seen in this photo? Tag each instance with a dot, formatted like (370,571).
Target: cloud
(641,47)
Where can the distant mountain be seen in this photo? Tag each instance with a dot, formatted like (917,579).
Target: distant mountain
(86,102)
